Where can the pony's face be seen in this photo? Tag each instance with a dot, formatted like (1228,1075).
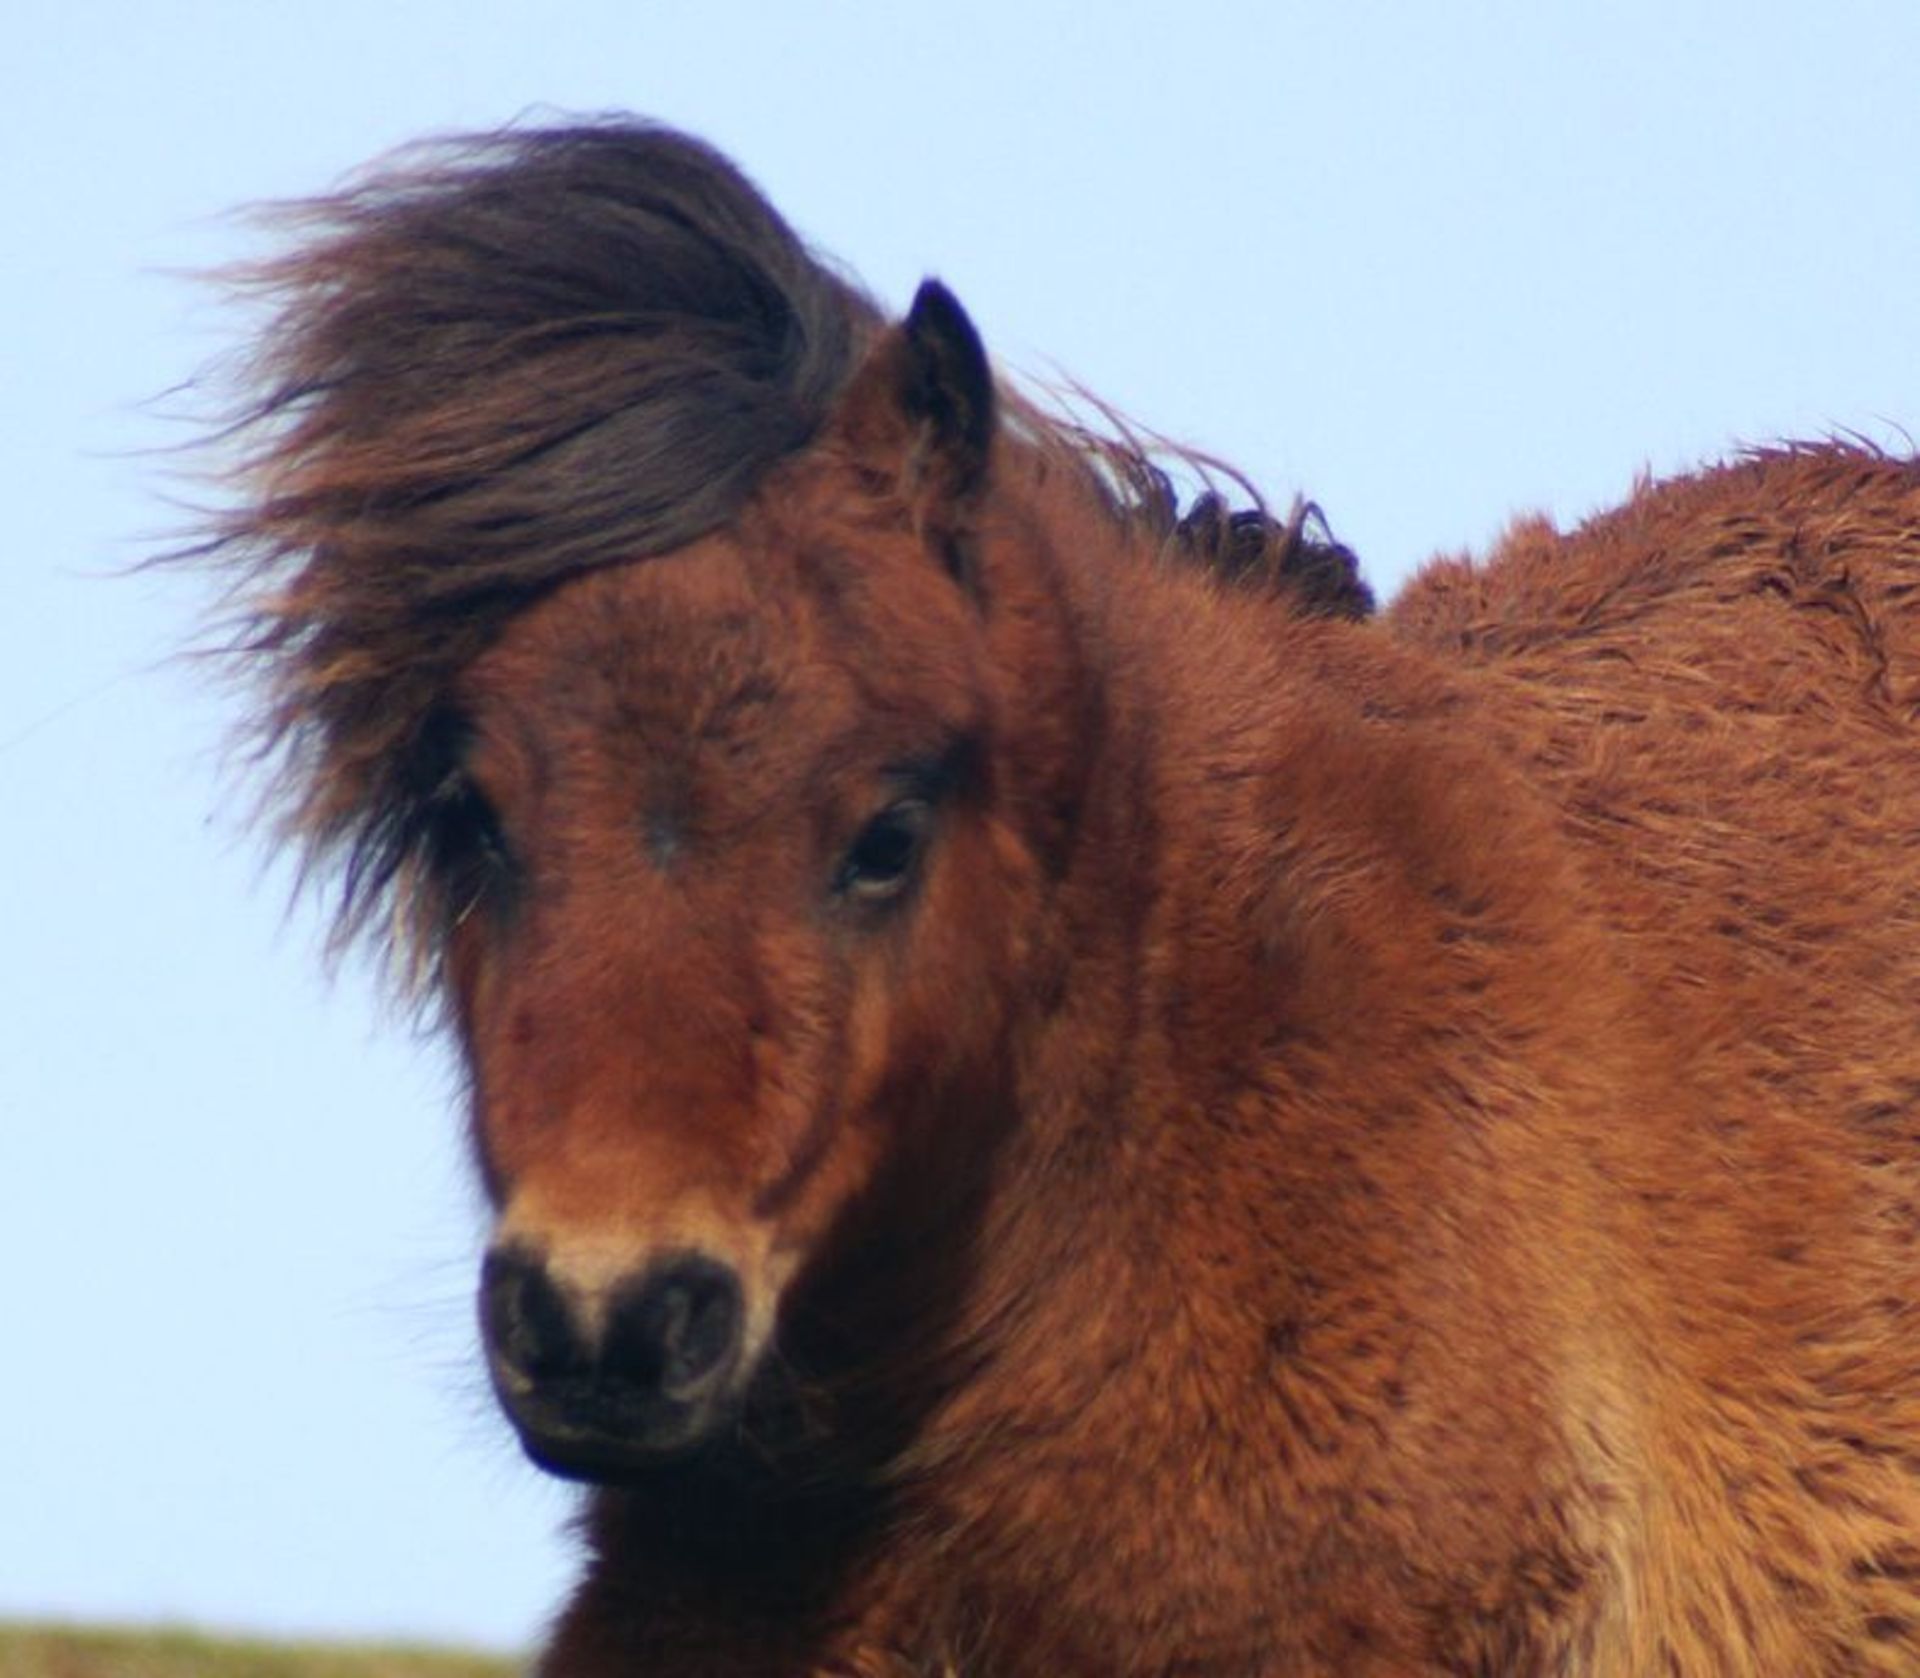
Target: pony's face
(735,900)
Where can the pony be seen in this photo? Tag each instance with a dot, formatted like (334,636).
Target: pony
(1060,1094)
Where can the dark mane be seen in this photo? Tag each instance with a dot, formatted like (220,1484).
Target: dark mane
(1297,559)
(498,362)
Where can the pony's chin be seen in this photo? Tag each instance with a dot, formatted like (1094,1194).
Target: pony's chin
(605,1449)
(612,1459)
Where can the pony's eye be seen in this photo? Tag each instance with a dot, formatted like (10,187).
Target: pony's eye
(881,861)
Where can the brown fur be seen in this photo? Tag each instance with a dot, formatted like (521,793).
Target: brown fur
(1372,1147)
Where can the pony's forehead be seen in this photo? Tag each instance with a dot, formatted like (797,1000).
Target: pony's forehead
(684,637)
(732,643)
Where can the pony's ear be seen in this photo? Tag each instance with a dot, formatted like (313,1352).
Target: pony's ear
(947,386)
(921,407)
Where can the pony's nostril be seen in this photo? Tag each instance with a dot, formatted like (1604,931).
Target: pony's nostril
(525,1317)
(676,1328)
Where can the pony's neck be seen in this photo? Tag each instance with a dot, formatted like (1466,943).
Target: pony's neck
(1163,656)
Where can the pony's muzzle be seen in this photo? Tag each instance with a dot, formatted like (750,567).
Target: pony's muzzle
(603,1382)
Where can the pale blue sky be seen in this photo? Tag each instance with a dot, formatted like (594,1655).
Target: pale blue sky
(1433,264)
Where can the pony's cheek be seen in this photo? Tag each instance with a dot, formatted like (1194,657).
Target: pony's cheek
(974,951)
(469,980)
(513,1122)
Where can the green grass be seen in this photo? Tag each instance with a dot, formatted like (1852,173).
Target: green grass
(47,1651)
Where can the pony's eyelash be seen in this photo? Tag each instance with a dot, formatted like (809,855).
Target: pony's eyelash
(464,847)
(933,777)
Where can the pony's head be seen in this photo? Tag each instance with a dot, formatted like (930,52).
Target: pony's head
(747,842)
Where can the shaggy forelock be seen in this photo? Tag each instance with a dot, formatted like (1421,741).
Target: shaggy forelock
(494,364)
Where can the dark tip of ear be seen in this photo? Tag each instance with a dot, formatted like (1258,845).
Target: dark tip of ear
(948,381)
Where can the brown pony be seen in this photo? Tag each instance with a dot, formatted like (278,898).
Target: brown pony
(1062,1098)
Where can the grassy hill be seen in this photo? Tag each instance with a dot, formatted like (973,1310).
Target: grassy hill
(73,1652)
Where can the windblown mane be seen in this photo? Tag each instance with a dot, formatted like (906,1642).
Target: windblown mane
(501,361)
